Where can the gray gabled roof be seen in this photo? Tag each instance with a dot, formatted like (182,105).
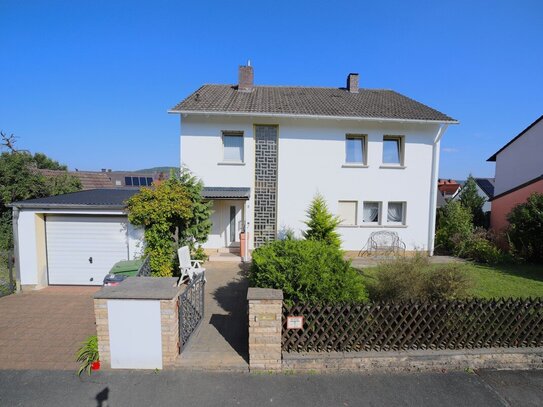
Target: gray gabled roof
(308,101)
(92,198)
(115,198)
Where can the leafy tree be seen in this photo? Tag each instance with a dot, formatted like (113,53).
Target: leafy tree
(454,226)
(161,210)
(470,199)
(196,228)
(44,162)
(19,180)
(321,225)
(526,228)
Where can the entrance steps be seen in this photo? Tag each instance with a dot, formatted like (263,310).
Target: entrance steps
(231,257)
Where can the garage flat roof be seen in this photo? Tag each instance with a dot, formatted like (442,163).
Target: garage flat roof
(115,198)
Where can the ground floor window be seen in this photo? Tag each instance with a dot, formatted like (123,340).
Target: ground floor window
(396,212)
(371,212)
(347,212)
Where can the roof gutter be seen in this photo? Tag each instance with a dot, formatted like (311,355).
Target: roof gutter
(309,116)
(64,206)
(433,188)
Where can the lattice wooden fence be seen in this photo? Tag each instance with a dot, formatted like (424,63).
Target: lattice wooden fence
(447,324)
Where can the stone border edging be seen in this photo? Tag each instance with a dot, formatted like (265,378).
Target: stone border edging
(419,361)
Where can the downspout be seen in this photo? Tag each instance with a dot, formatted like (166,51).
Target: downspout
(433,188)
(15,225)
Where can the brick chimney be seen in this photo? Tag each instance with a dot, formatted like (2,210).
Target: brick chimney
(245,78)
(352,83)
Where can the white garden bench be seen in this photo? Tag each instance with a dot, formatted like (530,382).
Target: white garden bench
(383,243)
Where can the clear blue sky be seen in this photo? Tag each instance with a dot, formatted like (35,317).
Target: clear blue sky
(89,82)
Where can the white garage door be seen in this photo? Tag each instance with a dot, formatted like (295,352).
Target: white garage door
(82,249)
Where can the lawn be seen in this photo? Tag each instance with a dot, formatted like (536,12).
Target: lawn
(512,280)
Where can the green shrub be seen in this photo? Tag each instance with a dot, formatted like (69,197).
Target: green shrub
(306,270)
(454,226)
(414,278)
(526,228)
(198,253)
(478,247)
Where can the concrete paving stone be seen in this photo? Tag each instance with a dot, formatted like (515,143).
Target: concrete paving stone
(45,327)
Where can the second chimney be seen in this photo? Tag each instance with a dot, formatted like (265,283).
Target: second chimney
(352,83)
(245,78)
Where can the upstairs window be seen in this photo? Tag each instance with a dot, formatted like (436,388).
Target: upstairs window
(396,212)
(371,212)
(393,150)
(347,211)
(355,149)
(232,147)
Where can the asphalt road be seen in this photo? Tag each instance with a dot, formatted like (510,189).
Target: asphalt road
(183,388)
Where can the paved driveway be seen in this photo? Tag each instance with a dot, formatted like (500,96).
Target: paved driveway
(43,329)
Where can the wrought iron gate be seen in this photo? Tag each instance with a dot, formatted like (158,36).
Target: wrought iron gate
(191,309)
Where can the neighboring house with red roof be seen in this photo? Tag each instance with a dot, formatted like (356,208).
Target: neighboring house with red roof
(448,188)
(88,179)
(519,172)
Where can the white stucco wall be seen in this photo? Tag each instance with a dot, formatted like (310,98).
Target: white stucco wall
(32,242)
(311,154)
(521,161)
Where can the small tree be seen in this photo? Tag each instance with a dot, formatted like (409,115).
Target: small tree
(321,225)
(454,226)
(526,228)
(196,228)
(470,199)
(161,210)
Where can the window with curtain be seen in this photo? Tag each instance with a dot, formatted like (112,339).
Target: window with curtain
(347,212)
(393,150)
(355,146)
(371,212)
(233,147)
(396,212)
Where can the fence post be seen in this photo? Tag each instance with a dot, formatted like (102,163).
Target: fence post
(265,328)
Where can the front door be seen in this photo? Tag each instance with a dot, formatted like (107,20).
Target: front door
(233,224)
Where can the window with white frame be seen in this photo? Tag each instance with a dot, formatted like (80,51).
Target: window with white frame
(232,146)
(347,212)
(396,213)
(371,212)
(355,149)
(393,150)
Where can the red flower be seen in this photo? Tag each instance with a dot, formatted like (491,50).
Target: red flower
(95,365)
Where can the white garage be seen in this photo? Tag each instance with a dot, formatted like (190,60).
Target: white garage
(73,239)
(82,249)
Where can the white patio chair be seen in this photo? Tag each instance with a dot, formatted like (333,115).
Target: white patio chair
(189,268)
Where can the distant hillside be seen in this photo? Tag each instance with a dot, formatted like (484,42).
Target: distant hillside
(165,170)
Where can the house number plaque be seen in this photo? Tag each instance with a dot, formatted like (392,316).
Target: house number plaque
(295,322)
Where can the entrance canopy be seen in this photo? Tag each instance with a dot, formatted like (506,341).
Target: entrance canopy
(234,193)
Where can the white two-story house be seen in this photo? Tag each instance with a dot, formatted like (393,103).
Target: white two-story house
(267,150)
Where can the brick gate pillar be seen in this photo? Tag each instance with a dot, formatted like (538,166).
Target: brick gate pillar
(265,328)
